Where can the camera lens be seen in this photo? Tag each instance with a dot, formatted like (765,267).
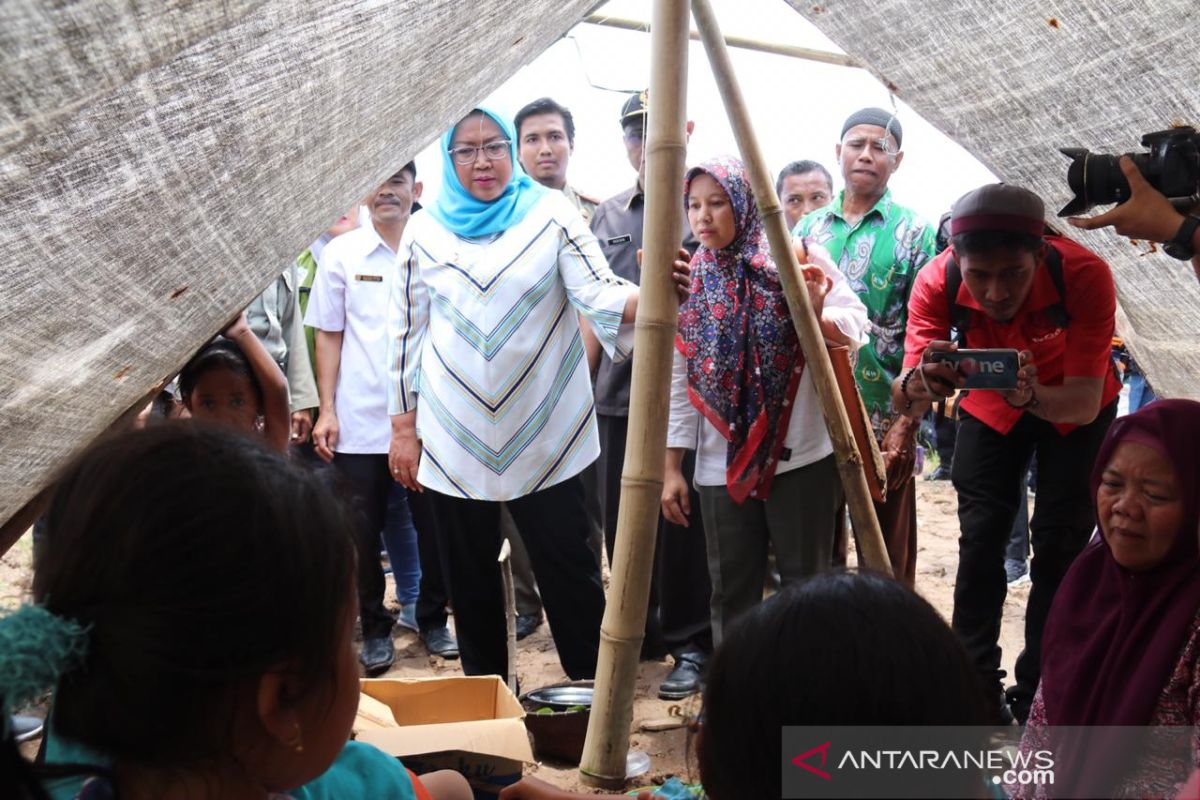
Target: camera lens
(1095,179)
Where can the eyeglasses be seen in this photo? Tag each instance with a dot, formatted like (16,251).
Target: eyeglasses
(465,154)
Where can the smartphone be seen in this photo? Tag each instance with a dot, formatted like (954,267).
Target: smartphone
(984,369)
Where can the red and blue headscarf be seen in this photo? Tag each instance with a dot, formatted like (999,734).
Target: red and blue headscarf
(743,355)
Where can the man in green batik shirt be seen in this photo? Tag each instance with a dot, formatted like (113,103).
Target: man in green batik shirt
(879,246)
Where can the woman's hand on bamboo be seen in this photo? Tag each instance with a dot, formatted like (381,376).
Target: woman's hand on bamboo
(676,499)
(404,451)
(681,273)
(818,284)
(809,252)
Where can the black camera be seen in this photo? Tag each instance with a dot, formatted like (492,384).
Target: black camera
(1172,167)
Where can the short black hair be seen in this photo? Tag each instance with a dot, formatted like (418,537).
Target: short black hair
(800,168)
(411,169)
(545,105)
(840,648)
(980,242)
(220,353)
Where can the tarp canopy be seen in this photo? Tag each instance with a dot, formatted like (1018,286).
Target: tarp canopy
(157,158)
(1012,82)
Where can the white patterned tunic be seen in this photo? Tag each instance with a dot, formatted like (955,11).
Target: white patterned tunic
(484,343)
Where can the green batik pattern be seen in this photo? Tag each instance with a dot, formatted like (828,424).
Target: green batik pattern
(879,257)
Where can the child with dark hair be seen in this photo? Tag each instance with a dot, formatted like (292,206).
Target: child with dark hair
(836,649)
(234,381)
(165,687)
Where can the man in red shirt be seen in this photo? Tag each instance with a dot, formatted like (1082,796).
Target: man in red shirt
(1003,284)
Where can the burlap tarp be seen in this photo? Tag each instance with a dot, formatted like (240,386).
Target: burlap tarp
(161,161)
(1014,81)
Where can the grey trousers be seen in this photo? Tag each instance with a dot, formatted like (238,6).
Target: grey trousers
(798,519)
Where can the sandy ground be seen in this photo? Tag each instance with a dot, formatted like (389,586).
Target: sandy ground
(669,751)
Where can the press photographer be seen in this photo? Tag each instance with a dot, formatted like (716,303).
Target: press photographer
(1155,190)
(1005,285)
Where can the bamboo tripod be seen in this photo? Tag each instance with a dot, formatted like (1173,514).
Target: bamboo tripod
(621,633)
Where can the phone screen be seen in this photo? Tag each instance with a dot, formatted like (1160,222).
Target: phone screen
(984,369)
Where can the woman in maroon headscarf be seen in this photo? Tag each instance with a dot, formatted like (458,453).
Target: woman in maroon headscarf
(1122,642)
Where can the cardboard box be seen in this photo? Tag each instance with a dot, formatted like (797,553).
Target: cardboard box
(472,725)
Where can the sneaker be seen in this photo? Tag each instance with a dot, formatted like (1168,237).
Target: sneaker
(407,618)
(1017,571)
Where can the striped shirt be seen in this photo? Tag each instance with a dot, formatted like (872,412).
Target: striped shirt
(484,344)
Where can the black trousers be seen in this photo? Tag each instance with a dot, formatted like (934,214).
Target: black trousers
(554,527)
(365,481)
(679,619)
(435,594)
(988,474)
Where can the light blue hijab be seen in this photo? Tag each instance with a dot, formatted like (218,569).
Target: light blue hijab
(468,216)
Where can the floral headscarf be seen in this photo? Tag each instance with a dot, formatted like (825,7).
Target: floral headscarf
(743,355)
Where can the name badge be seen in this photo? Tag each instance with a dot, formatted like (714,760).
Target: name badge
(369,278)
(626,239)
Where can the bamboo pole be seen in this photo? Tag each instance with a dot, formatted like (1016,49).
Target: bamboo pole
(621,633)
(740,42)
(510,611)
(858,497)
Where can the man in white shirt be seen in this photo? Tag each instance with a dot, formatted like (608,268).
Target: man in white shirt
(348,307)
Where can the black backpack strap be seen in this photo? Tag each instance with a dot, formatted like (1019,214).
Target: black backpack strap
(1057,312)
(960,316)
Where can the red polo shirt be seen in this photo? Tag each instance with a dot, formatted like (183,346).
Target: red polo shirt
(1083,349)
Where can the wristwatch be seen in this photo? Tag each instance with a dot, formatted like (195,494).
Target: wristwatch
(1181,246)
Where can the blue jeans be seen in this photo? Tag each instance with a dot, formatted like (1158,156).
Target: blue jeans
(400,540)
(1140,393)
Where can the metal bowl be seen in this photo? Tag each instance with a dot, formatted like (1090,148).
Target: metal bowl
(562,696)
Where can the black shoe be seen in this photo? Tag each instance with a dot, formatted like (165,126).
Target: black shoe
(1019,704)
(1004,715)
(377,654)
(527,624)
(942,473)
(684,680)
(440,642)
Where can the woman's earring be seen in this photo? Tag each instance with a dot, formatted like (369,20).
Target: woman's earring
(297,740)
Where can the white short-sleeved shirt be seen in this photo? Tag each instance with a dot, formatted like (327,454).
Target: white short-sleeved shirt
(350,294)
(807,437)
(485,346)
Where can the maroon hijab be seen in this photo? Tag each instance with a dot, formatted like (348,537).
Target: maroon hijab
(1113,636)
